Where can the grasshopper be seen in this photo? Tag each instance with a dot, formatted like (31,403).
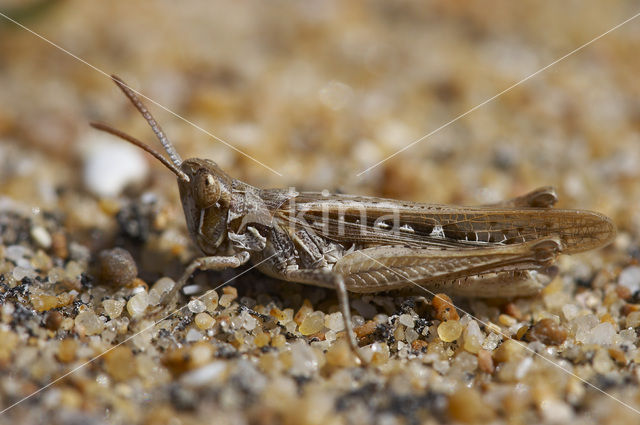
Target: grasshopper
(367,244)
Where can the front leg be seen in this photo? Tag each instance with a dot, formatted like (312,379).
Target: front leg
(205,263)
(333,280)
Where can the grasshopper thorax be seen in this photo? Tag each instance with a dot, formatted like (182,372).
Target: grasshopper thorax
(206,197)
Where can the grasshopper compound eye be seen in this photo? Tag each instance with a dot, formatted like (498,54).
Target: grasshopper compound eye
(206,190)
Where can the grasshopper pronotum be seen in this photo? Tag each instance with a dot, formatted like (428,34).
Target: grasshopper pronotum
(367,244)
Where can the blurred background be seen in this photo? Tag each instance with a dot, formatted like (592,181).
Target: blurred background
(319,91)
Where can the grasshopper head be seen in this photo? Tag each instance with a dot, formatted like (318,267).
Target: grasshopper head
(205,189)
(206,196)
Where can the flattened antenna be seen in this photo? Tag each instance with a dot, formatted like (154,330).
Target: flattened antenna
(168,147)
(108,129)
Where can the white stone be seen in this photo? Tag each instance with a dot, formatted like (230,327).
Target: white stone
(304,360)
(556,411)
(491,341)
(110,165)
(630,277)
(41,236)
(113,308)
(193,335)
(20,273)
(138,304)
(406,320)
(88,323)
(334,321)
(207,374)
(570,311)
(196,306)
(602,334)
(160,289)
(410,335)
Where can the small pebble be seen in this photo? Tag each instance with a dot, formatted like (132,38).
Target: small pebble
(334,321)
(312,323)
(110,166)
(41,236)
(633,319)
(473,337)
(53,320)
(67,350)
(547,331)
(116,267)
(449,331)
(304,310)
(193,336)
(406,320)
(44,302)
(491,341)
(226,300)
(444,309)
(506,320)
(410,335)
(204,321)
(261,339)
(366,329)
(278,340)
(113,308)
(630,278)
(339,354)
(20,273)
(196,306)
(120,363)
(230,290)
(570,311)
(87,323)
(16,253)
(210,300)
(138,304)
(485,361)
(59,245)
(160,289)
(466,406)
(508,351)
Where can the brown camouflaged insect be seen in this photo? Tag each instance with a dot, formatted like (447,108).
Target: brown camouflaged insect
(367,244)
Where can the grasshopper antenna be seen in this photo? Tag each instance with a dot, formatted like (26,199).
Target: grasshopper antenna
(168,147)
(108,129)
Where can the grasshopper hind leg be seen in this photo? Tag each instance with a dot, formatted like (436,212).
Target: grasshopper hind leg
(543,197)
(500,285)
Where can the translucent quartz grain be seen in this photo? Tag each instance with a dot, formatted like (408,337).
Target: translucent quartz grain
(41,236)
(450,330)
(633,319)
(204,321)
(473,337)
(261,339)
(210,300)
(138,304)
(312,323)
(334,321)
(226,299)
(196,306)
(113,308)
(88,323)
(160,289)
(407,320)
